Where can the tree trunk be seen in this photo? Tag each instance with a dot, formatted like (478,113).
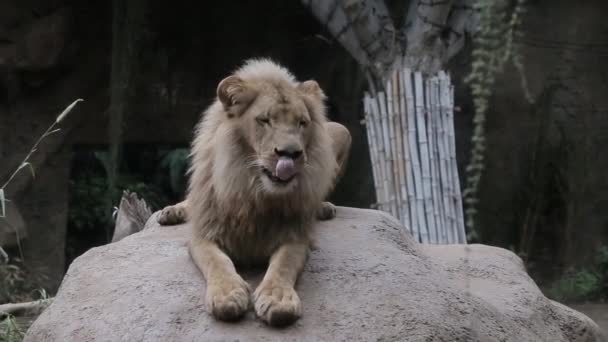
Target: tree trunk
(127,24)
(364,28)
(433,32)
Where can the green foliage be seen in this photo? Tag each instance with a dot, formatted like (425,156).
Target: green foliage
(87,207)
(575,287)
(10,330)
(493,47)
(589,283)
(176,163)
(87,217)
(17,283)
(155,174)
(88,190)
(151,193)
(89,222)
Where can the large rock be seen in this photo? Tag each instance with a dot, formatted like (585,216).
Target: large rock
(365,281)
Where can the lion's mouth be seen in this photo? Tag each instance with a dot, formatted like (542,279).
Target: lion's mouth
(275,179)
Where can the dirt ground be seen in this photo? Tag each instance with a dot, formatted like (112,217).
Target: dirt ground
(597,312)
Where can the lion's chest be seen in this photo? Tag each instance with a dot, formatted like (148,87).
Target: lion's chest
(254,239)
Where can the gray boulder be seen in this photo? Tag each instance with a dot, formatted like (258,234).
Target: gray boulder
(366,280)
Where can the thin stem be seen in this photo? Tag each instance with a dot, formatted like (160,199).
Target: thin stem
(46,133)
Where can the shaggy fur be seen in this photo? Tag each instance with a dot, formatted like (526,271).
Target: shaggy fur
(237,213)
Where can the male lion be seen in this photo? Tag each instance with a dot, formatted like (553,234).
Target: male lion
(264,159)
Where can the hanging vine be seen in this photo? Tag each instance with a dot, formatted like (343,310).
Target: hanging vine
(493,48)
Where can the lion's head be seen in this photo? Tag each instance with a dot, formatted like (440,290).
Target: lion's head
(279,125)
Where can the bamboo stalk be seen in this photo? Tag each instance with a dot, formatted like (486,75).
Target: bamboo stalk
(424,155)
(429,113)
(372,146)
(437,174)
(457,194)
(409,177)
(449,188)
(381,157)
(397,155)
(451,162)
(426,114)
(388,153)
(410,129)
(390,114)
(416,168)
(383,147)
(398,107)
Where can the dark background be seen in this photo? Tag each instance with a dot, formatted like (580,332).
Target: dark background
(542,193)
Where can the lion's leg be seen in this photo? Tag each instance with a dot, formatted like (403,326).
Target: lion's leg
(227,294)
(174,214)
(276,301)
(341,142)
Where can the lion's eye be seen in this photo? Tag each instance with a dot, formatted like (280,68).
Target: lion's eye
(303,123)
(263,120)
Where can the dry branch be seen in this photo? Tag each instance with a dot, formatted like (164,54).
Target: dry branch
(132,216)
(32,308)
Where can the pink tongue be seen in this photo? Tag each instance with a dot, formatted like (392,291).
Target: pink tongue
(285,168)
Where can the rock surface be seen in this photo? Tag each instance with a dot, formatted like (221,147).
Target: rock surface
(365,281)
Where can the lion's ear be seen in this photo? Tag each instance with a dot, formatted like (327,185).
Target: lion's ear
(235,94)
(311,87)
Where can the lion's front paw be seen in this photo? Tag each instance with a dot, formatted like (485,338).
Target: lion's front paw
(173,214)
(228,299)
(277,305)
(327,211)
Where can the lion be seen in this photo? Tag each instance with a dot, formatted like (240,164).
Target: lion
(263,161)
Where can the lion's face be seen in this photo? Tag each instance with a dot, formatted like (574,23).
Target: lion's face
(279,130)
(276,126)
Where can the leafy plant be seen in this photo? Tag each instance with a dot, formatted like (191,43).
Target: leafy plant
(18,284)
(493,48)
(590,283)
(577,286)
(10,330)
(176,163)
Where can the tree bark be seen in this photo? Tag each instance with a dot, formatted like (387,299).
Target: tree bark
(433,32)
(364,28)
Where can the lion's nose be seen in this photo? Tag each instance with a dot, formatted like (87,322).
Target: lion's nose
(291,151)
